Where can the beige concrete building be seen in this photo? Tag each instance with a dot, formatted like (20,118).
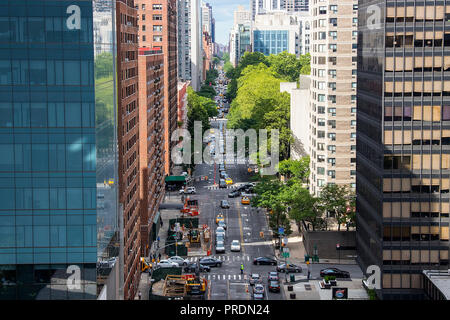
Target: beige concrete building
(333,92)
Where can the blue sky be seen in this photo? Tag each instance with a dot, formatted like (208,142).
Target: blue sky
(223,13)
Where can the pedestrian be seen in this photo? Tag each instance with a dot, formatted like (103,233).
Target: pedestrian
(159,256)
(242,268)
(309,269)
(140,295)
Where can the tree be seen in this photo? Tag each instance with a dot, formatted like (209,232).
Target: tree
(259,104)
(199,109)
(305,61)
(207,92)
(226,57)
(298,169)
(286,65)
(336,199)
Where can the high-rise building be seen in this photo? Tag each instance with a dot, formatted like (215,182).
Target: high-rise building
(276,32)
(59,187)
(190,51)
(267,6)
(402,142)
(206,17)
(240,42)
(333,93)
(213,30)
(241,16)
(151,143)
(158,30)
(128,142)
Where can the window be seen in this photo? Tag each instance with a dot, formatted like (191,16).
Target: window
(143,17)
(353,123)
(333,8)
(322,10)
(320,170)
(157,38)
(332,161)
(321,122)
(332,136)
(333,47)
(353,135)
(332,174)
(321,98)
(331,148)
(321,110)
(157,28)
(157,17)
(333,22)
(157,7)
(143,6)
(143,27)
(333,35)
(332,111)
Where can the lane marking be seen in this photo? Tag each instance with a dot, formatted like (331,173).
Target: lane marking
(240,226)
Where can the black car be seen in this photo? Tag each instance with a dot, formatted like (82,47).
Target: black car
(213,262)
(274,286)
(290,268)
(234,194)
(334,272)
(265,260)
(222,183)
(224,204)
(192,267)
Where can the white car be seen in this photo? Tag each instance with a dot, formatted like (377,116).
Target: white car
(179,261)
(220,230)
(220,247)
(235,245)
(189,190)
(167,264)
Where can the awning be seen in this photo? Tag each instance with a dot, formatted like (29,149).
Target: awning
(175,179)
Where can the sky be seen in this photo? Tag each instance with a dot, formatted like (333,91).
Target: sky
(223,13)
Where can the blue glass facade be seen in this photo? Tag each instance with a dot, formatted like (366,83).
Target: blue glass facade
(50,138)
(271,41)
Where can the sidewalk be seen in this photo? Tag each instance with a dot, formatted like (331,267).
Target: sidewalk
(297,250)
(144,287)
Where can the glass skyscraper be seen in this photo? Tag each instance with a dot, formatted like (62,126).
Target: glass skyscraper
(271,41)
(58,146)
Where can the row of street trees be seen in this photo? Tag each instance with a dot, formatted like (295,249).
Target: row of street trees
(291,200)
(254,89)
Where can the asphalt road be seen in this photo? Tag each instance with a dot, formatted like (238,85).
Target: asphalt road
(244,224)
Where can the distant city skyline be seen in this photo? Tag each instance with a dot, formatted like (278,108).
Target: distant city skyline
(223,14)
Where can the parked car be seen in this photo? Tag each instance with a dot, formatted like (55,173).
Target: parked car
(258,288)
(234,194)
(265,260)
(220,247)
(290,268)
(338,273)
(167,264)
(213,262)
(274,286)
(235,245)
(179,260)
(224,204)
(273,276)
(222,224)
(189,190)
(192,267)
(254,278)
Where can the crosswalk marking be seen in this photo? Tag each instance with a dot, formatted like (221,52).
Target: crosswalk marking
(223,258)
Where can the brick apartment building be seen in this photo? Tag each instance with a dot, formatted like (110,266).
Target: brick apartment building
(128,135)
(151,142)
(158,30)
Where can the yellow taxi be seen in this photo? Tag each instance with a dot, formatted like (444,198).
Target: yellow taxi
(220,218)
(228,181)
(245,200)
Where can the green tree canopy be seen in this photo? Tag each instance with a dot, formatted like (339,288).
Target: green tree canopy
(337,199)
(286,65)
(298,169)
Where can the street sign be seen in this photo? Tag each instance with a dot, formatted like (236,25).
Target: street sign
(338,246)
(285,241)
(281,230)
